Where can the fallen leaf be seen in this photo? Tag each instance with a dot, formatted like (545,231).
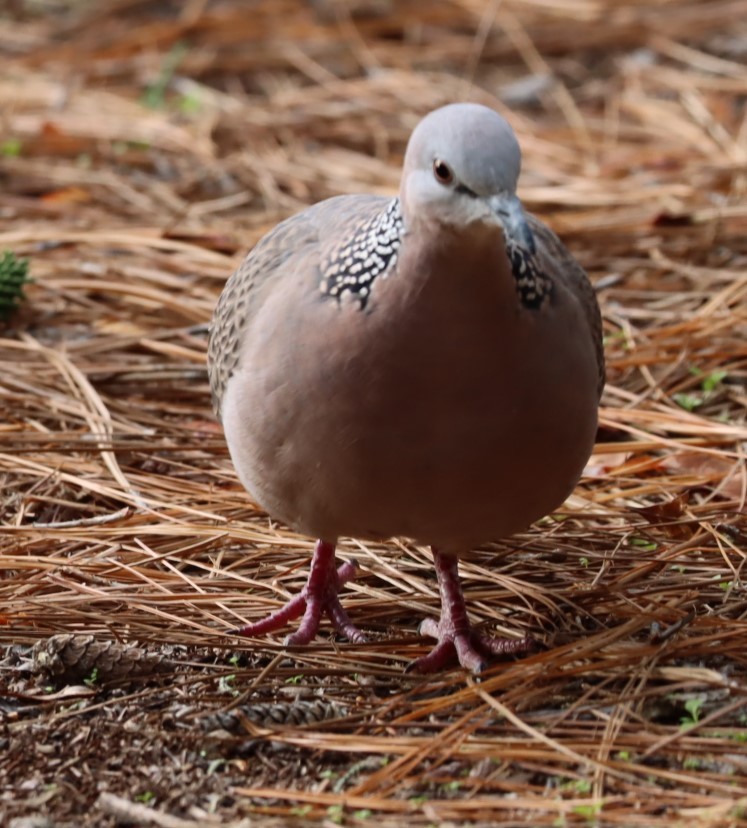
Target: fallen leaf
(600,465)
(66,195)
(667,516)
(728,475)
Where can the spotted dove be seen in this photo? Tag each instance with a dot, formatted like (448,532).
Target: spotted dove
(426,366)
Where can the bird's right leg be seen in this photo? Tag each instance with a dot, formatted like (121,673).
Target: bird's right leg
(319,596)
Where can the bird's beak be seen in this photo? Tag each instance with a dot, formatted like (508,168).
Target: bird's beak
(510,213)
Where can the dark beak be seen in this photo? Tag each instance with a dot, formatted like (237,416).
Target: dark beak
(511,215)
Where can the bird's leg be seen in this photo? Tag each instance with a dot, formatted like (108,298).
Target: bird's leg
(320,595)
(453,633)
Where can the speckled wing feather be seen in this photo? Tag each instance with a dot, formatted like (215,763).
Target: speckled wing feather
(349,240)
(559,264)
(240,297)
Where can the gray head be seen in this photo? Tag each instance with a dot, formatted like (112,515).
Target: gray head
(461,168)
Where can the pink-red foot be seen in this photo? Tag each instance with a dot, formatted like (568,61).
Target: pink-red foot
(319,597)
(455,639)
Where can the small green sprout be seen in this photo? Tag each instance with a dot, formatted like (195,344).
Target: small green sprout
(708,384)
(225,685)
(617,335)
(713,380)
(301,810)
(189,104)
(335,814)
(643,543)
(589,812)
(579,786)
(11,148)
(693,707)
(154,96)
(14,274)
(688,401)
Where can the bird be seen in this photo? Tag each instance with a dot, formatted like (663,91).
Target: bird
(426,366)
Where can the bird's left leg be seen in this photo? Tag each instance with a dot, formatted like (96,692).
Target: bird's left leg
(454,635)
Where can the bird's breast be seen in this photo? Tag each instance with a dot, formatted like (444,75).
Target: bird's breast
(445,411)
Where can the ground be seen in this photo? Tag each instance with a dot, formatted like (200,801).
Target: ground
(144,148)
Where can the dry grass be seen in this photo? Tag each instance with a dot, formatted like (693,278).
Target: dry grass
(121,515)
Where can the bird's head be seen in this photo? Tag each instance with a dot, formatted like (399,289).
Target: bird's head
(461,168)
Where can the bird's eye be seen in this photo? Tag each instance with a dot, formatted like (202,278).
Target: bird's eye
(442,171)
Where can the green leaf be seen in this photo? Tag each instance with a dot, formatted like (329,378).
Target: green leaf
(693,707)
(334,812)
(588,812)
(189,104)
(713,380)
(154,96)
(643,543)
(688,401)
(301,810)
(580,786)
(11,148)
(13,277)
(225,685)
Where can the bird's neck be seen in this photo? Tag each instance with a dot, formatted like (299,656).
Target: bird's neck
(461,263)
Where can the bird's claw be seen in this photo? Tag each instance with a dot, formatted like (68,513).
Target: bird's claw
(472,650)
(319,597)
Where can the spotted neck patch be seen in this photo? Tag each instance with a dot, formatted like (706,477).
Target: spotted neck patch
(350,270)
(532,284)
